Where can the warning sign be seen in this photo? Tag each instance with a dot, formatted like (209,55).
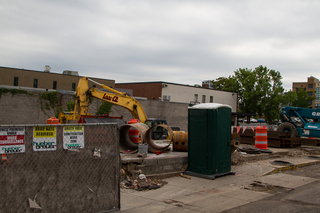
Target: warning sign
(44,138)
(12,140)
(73,137)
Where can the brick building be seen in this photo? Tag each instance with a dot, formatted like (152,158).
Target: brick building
(312,87)
(68,80)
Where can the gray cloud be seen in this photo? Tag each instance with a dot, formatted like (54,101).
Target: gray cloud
(181,42)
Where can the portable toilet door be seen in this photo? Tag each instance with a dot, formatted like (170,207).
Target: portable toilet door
(209,140)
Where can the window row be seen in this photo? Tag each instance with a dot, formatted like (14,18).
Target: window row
(35,84)
(203,98)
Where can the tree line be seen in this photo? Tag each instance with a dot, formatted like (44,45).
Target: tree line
(260,91)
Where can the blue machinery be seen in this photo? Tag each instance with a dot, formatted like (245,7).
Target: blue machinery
(300,122)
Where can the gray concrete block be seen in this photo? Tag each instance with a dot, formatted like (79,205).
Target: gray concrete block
(150,161)
(166,161)
(169,167)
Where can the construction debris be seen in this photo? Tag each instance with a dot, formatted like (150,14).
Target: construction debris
(182,175)
(142,184)
(236,158)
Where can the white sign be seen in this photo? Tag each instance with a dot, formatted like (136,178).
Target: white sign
(12,140)
(44,138)
(73,137)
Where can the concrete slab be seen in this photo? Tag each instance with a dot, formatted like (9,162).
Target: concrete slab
(223,193)
(246,195)
(128,201)
(153,207)
(214,204)
(285,180)
(194,183)
(182,209)
(168,191)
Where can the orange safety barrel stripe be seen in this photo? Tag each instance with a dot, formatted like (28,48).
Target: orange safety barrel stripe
(261,137)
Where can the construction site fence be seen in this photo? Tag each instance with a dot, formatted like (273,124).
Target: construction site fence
(278,139)
(59,168)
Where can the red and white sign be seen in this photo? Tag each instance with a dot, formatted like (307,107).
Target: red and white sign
(12,140)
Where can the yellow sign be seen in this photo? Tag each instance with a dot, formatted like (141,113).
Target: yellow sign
(44,132)
(73,128)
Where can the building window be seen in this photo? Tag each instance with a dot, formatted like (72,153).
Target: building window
(73,86)
(203,98)
(297,90)
(54,85)
(310,94)
(15,81)
(211,99)
(35,83)
(310,86)
(309,102)
(195,98)
(166,98)
(318,94)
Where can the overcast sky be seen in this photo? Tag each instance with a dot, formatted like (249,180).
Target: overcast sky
(181,42)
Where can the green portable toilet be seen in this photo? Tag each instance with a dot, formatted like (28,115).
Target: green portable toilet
(209,140)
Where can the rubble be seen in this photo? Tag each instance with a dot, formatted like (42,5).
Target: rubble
(296,153)
(135,180)
(142,184)
(236,158)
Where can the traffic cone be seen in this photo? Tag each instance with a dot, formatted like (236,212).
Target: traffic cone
(4,157)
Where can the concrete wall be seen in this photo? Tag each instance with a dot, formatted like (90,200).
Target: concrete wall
(26,109)
(176,114)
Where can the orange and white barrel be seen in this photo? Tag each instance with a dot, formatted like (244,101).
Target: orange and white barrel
(134,132)
(261,137)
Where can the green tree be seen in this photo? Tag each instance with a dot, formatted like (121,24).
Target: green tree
(303,100)
(219,83)
(104,108)
(226,84)
(259,91)
(289,98)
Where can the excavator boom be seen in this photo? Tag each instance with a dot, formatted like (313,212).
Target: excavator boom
(83,94)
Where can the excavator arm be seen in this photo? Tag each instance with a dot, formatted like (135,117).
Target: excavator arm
(83,94)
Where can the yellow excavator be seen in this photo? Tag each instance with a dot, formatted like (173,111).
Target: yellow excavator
(83,94)
(147,129)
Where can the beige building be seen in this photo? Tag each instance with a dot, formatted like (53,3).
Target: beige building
(68,80)
(171,92)
(312,87)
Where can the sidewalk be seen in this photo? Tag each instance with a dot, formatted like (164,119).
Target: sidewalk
(201,195)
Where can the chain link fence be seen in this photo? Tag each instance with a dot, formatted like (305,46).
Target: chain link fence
(59,168)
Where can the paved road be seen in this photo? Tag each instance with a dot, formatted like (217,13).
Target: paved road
(305,198)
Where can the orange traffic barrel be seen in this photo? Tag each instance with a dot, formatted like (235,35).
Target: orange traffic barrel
(52,120)
(261,137)
(134,132)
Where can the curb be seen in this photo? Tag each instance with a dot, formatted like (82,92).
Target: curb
(293,167)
